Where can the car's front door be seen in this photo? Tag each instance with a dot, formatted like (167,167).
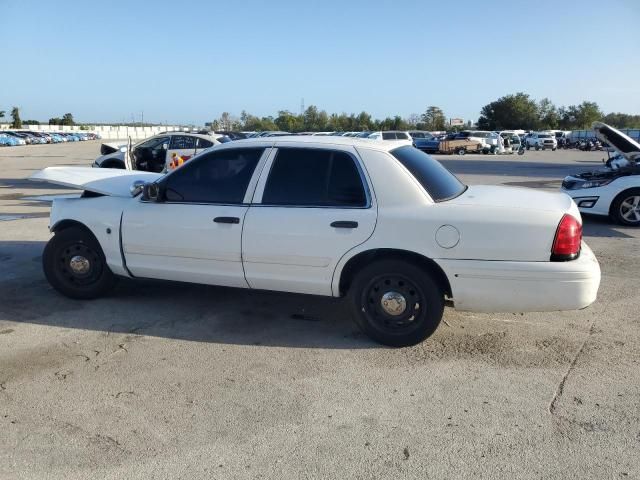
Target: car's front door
(312,205)
(193,233)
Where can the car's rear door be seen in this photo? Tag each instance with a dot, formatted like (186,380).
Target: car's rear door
(312,205)
(194,233)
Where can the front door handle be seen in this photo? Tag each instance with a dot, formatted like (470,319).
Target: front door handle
(344,224)
(226,220)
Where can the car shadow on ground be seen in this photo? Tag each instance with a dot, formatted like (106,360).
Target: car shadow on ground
(176,310)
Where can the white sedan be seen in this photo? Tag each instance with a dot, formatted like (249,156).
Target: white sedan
(154,154)
(386,225)
(613,190)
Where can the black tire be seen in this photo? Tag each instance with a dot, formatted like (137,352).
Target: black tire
(528,147)
(79,245)
(620,207)
(414,322)
(461,151)
(553,149)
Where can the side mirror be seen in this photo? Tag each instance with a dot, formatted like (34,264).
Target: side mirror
(165,146)
(136,187)
(151,192)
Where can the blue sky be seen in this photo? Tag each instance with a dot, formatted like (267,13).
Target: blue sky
(189,61)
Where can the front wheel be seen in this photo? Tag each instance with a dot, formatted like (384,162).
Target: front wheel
(396,303)
(74,264)
(625,209)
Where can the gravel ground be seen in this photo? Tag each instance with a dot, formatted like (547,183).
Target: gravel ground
(165,380)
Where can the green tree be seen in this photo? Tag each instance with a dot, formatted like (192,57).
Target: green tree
(287,121)
(509,112)
(15,115)
(547,115)
(622,120)
(434,118)
(55,121)
(2,112)
(587,113)
(67,119)
(31,122)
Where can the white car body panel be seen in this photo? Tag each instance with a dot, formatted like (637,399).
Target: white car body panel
(182,242)
(492,243)
(294,248)
(604,194)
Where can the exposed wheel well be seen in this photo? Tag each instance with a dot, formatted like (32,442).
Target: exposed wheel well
(357,262)
(65,224)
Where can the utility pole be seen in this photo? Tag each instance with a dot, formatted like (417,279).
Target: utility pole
(301,105)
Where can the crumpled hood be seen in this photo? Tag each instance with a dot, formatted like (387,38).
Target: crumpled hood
(105,181)
(623,144)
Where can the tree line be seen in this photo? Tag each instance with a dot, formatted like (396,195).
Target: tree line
(17,122)
(514,111)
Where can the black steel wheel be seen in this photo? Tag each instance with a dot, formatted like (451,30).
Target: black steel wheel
(74,264)
(396,303)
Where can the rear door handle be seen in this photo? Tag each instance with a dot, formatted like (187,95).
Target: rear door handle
(226,220)
(344,224)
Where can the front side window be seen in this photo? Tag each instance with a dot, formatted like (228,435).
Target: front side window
(314,178)
(439,182)
(220,176)
(402,136)
(183,142)
(154,142)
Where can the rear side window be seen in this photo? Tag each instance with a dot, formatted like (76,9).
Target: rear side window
(182,142)
(439,182)
(388,136)
(202,143)
(314,178)
(402,136)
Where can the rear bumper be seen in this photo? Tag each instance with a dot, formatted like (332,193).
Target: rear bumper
(496,286)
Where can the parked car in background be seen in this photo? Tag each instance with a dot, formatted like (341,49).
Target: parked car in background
(392,135)
(19,139)
(541,141)
(460,143)
(8,140)
(419,134)
(155,154)
(322,216)
(613,190)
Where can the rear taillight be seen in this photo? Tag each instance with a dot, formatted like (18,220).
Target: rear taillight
(566,244)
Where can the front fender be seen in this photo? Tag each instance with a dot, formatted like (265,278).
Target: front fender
(101,216)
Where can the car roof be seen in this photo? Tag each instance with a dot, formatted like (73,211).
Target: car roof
(302,140)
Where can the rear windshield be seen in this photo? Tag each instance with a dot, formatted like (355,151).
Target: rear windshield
(439,182)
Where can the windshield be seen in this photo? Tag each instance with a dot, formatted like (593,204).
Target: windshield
(543,135)
(439,182)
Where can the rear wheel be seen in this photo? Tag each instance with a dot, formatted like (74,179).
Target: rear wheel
(396,303)
(461,151)
(625,209)
(74,264)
